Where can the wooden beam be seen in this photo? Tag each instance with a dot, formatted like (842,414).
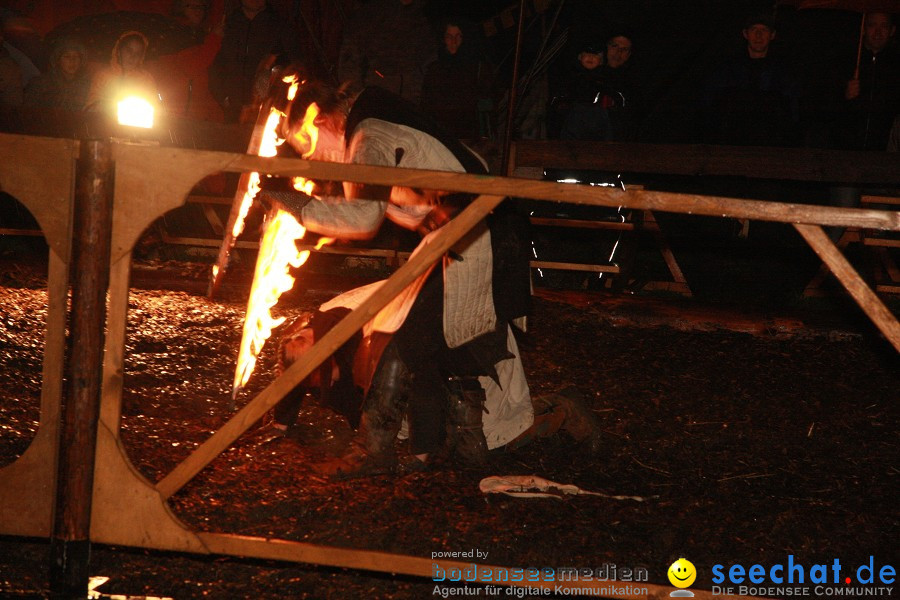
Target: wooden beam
(45,192)
(29,232)
(715,206)
(70,543)
(340,333)
(565,266)
(797,164)
(581,223)
(235,216)
(30,514)
(850,279)
(176,159)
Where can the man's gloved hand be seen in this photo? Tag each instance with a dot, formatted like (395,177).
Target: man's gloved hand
(277,192)
(292,202)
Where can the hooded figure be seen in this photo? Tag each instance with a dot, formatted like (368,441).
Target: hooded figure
(125,75)
(65,85)
(457,88)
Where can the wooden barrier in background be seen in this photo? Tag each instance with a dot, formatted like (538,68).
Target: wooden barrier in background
(752,162)
(128,509)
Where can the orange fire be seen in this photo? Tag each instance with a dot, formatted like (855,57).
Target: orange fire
(277,255)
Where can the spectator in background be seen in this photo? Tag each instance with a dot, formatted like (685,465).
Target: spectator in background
(24,46)
(870,102)
(65,86)
(620,94)
(583,116)
(388,43)
(125,75)
(253,32)
(457,86)
(599,95)
(752,99)
(183,77)
(872,99)
(11,88)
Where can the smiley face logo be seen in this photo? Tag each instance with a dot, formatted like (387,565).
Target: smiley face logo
(682,573)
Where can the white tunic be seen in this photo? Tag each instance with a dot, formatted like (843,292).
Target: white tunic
(468,293)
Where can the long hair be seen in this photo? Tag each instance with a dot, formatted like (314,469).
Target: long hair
(329,98)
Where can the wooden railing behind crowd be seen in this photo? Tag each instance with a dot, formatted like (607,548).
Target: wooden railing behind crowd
(126,509)
(875,174)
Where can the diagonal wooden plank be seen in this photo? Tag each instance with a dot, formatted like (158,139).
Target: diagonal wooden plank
(269,397)
(850,279)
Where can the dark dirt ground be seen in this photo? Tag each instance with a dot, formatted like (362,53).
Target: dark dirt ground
(751,447)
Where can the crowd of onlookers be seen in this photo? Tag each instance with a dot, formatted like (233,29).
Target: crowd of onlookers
(594,89)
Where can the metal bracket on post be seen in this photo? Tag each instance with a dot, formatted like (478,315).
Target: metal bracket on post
(70,540)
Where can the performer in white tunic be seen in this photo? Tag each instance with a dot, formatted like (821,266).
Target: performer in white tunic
(450,322)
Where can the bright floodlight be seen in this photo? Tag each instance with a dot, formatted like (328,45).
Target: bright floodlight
(136,112)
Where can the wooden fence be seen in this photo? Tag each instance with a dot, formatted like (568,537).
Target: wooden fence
(127,509)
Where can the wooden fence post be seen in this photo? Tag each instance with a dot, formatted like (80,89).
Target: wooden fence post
(89,278)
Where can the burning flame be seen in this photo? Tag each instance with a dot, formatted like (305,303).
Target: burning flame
(292,89)
(268,147)
(307,186)
(277,255)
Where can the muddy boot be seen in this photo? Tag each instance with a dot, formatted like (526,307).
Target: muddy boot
(578,419)
(372,449)
(466,407)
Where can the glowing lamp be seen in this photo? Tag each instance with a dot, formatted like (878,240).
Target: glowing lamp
(135,112)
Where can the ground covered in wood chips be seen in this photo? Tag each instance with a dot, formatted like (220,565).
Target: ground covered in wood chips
(745,449)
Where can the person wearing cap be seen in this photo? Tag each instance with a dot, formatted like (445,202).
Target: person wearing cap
(753,99)
(581,116)
(598,97)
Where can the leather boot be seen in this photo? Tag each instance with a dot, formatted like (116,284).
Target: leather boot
(372,449)
(466,407)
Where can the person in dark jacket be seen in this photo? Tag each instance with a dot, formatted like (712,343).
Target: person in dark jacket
(752,99)
(872,98)
(252,33)
(600,96)
(457,86)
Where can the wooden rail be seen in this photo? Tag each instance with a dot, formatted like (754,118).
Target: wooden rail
(129,510)
(794,164)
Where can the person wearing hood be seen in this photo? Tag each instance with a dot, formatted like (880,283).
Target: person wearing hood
(65,85)
(457,86)
(125,75)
